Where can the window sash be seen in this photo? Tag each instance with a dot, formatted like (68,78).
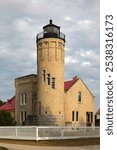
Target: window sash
(73,118)
(79,97)
(89,117)
(76,115)
(53,83)
(43,75)
(21,116)
(23,99)
(48,78)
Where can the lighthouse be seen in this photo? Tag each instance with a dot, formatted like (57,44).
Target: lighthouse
(50,75)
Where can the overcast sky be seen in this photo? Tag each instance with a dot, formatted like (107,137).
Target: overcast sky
(22,20)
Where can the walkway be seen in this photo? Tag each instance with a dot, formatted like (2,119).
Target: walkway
(25,147)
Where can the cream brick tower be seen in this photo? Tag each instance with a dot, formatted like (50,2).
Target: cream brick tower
(50,75)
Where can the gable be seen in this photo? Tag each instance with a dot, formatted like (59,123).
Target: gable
(69,84)
(87,87)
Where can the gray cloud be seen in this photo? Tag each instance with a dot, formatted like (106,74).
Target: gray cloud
(22,20)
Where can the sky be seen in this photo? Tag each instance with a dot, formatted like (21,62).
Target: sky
(21,21)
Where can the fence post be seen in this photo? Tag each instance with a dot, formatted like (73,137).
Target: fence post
(62,133)
(16,131)
(36,133)
(85,128)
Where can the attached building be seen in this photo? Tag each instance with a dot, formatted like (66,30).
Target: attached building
(79,103)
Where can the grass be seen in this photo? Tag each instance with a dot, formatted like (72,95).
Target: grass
(73,142)
(3,148)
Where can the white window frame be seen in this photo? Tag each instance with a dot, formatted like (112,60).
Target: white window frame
(23,99)
(21,116)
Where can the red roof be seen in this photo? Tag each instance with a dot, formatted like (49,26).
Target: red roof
(9,105)
(68,84)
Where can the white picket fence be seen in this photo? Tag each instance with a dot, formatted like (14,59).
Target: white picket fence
(47,132)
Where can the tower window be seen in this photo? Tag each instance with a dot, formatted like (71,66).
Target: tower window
(43,75)
(73,115)
(48,78)
(53,83)
(79,97)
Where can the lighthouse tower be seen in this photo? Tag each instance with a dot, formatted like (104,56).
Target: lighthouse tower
(50,75)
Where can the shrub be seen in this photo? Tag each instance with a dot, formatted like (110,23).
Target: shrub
(6,118)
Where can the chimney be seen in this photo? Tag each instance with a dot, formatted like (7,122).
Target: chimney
(75,78)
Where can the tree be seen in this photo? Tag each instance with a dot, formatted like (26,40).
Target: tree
(6,118)
(1,102)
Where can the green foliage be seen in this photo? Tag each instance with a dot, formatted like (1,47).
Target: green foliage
(6,118)
(1,102)
(3,148)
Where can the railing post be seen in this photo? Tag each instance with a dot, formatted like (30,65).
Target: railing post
(85,128)
(36,133)
(16,131)
(62,132)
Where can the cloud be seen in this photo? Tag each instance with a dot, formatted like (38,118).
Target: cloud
(68,18)
(70,60)
(84,24)
(85,64)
